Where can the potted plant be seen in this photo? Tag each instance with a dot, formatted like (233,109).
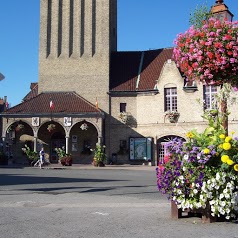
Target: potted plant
(64,158)
(172,116)
(99,158)
(31,155)
(201,174)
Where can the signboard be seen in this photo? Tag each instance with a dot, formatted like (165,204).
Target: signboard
(141,149)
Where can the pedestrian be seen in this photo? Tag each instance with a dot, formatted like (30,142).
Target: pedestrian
(42,157)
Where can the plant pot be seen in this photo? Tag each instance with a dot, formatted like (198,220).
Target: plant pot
(204,214)
(66,161)
(98,164)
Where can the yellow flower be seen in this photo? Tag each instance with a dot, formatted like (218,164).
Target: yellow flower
(236,167)
(220,146)
(230,162)
(232,132)
(206,151)
(226,146)
(190,134)
(222,136)
(227,139)
(224,158)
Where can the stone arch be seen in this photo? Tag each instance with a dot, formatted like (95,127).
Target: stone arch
(90,121)
(53,135)
(16,135)
(83,137)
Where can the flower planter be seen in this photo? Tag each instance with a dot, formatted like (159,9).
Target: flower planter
(173,119)
(98,164)
(204,214)
(66,161)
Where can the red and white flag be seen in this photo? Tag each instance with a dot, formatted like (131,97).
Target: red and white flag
(51,105)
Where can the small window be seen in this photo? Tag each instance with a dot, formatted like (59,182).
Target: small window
(170,95)
(209,96)
(122,107)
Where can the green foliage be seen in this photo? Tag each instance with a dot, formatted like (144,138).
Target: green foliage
(199,15)
(32,155)
(99,154)
(61,153)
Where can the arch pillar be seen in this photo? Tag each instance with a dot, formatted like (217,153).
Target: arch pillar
(67,144)
(35,140)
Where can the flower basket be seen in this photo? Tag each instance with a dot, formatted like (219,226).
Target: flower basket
(172,116)
(200,176)
(19,127)
(123,117)
(51,127)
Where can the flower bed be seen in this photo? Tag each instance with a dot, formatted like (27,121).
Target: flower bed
(202,173)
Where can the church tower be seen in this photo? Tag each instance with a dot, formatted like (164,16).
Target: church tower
(76,41)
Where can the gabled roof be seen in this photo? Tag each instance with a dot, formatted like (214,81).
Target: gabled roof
(64,103)
(137,71)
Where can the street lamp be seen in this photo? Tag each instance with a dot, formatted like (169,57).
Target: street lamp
(220,11)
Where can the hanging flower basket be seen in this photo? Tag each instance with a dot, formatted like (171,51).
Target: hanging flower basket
(123,117)
(19,127)
(84,126)
(172,116)
(51,127)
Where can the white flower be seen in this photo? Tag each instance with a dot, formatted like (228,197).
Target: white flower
(223,203)
(212,202)
(227,195)
(181,177)
(185,157)
(218,176)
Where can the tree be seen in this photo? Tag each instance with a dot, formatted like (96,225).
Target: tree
(210,55)
(200,14)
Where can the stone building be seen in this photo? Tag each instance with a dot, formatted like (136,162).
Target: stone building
(90,93)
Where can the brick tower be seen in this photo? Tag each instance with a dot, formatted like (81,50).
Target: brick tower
(76,41)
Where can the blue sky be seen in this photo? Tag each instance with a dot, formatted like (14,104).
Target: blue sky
(142,25)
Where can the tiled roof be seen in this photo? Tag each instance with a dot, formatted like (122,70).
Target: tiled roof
(64,102)
(125,67)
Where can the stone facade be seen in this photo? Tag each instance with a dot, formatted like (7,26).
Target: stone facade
(78,40)
(148,113)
